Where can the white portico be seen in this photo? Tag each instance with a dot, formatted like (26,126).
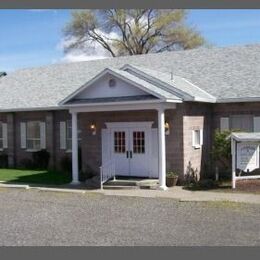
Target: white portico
(140,160)
(136,147)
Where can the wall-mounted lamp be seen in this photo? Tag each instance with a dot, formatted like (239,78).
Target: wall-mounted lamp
(167,128)
(93,128)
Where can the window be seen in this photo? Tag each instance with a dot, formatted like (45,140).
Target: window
(242,122)
(33,135)
(197,138)
(1,136)
(247,123)
(66,135)
(119,142)
(139,142)
(69,135)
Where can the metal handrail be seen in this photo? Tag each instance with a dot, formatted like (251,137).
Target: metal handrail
(107,171)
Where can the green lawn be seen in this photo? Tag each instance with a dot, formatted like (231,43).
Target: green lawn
(34,177)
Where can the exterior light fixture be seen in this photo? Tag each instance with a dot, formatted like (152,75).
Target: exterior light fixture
(167,128)
(93,128)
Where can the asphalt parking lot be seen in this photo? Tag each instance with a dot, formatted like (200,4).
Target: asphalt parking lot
(37,218)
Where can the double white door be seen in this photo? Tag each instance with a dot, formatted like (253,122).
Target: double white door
(130,150)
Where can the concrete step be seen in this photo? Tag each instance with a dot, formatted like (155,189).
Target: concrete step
(121,183)
(119,187)
(131,184)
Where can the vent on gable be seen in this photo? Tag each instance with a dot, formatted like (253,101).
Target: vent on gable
(112,83)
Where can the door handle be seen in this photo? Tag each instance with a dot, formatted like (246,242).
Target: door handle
(127,154)
(131,154)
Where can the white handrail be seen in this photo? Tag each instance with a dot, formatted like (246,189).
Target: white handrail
(107,171)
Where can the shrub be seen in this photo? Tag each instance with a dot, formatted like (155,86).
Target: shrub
(221,151)
(191,174)
(171,174)
(205,184)
(66,164)
(26,163)
(88,173)
(3,160)
(41,159)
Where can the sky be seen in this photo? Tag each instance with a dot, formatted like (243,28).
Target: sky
(30,38)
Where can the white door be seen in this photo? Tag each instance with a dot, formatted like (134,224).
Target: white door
(130,151)
(120,150)
(139,151)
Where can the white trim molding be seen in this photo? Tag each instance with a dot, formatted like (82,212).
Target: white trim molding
(146,124)
(121,107)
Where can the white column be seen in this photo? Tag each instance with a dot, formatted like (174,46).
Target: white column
(162,152)
(233,152)
(75,161)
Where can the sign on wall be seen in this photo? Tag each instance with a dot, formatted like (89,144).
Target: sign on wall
(247,156)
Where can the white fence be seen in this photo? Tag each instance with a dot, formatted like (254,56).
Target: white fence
(107,172)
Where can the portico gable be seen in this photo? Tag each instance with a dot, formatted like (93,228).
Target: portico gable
(116,90)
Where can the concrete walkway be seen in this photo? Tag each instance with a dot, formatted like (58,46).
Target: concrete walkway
(184,195)
(176,193)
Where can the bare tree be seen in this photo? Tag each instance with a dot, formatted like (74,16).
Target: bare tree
(132,31)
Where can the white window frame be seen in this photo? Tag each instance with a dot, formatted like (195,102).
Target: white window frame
(1,137)
(68,140)
(199,137)
(33,149)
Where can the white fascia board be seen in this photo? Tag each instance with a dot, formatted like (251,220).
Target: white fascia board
(202,90)
(205,100)
(234,100)
(122,103)
(121,107)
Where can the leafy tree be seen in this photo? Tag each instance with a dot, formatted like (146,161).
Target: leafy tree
(221,151)
(132,31)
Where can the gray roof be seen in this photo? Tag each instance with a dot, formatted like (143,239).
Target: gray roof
(148,86)
(246,137)
(225,73)
(176,83)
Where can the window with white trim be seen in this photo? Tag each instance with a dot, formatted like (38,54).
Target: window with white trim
(247,123)
(69,135)
(1,136)
(66,135)
(242,122)
(33,135)
(197,138)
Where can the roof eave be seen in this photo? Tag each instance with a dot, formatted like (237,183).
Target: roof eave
(237,100)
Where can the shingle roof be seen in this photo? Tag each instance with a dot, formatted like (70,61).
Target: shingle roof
(225,73)
(159,91)
(175,83)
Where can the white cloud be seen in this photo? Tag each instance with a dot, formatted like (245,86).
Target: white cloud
(80,56)
(91,51)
